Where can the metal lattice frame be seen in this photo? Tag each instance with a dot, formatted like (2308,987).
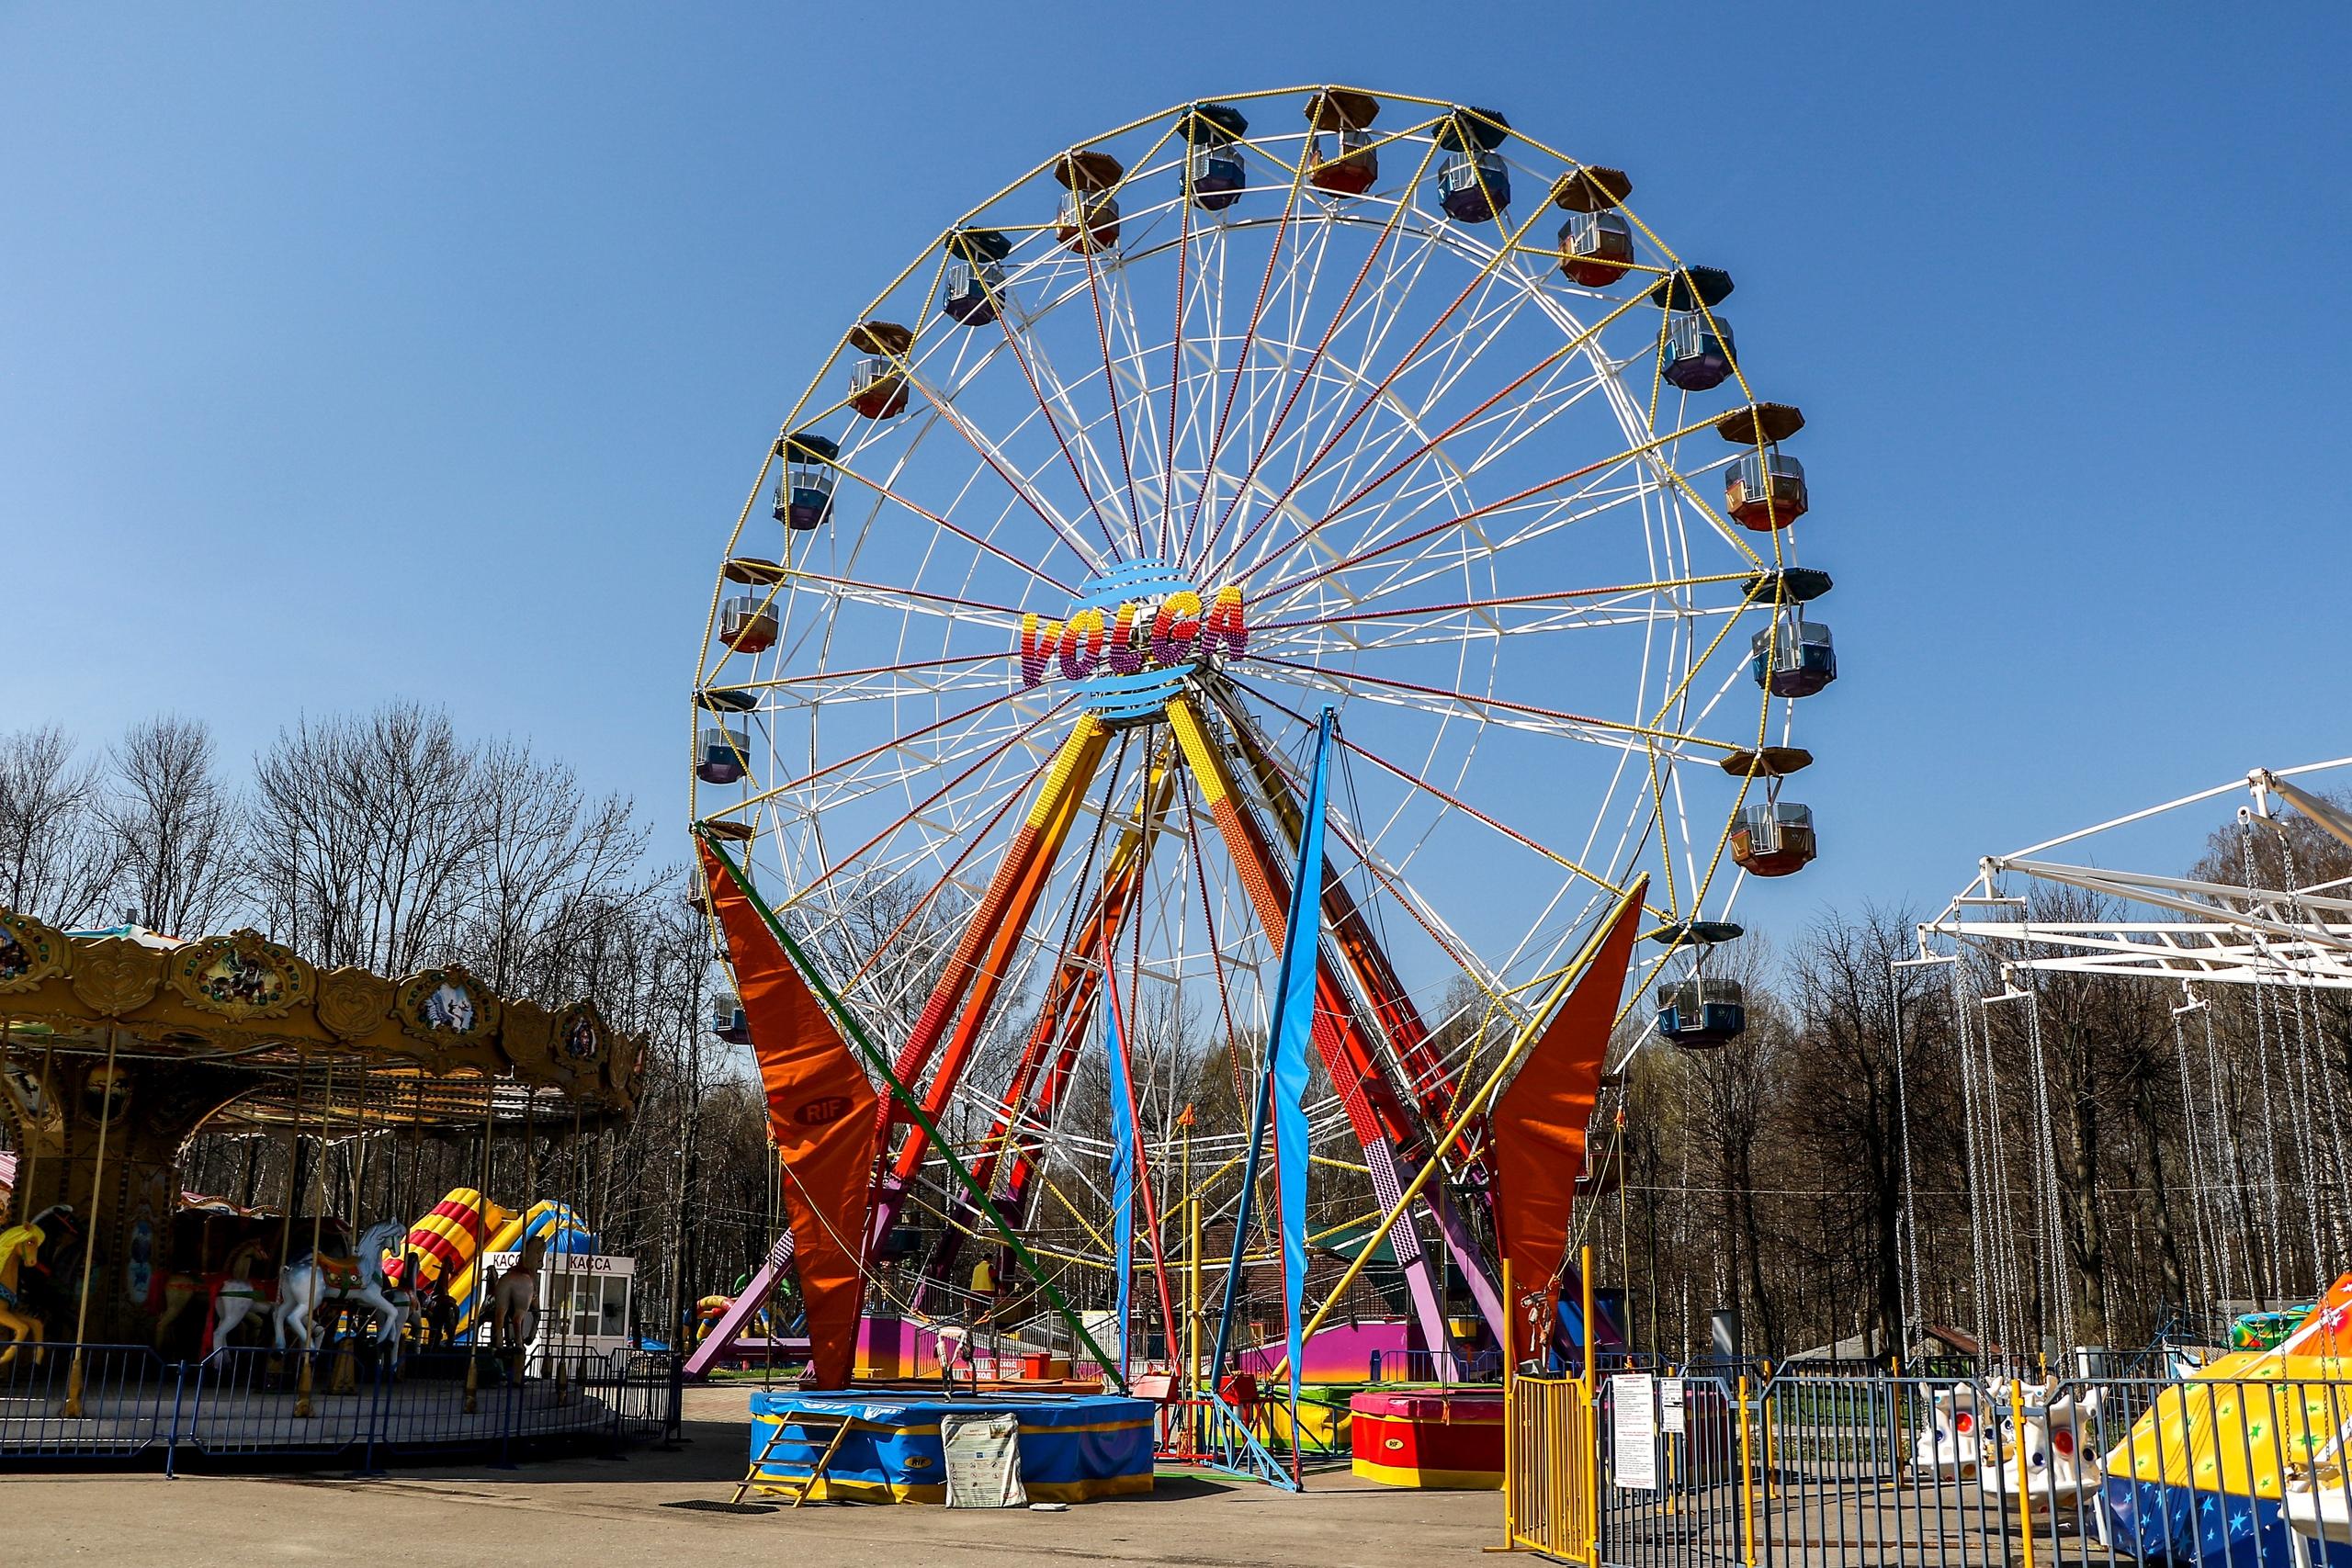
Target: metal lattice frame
(2195,931)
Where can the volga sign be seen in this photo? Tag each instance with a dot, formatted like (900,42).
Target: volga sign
(1173,631)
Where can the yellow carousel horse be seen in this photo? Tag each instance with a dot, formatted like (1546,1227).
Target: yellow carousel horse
(19,1249)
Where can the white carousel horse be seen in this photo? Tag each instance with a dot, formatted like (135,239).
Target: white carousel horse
(1949,1444)
(514,1297)
(393,1304)
(236,1294)
(316,1280)
(2048,1462)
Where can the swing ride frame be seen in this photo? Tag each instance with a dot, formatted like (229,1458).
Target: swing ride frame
(2246,936)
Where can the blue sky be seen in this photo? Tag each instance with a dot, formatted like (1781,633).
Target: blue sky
(429,352)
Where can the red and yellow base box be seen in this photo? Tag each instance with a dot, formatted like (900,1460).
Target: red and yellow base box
(1441,1439)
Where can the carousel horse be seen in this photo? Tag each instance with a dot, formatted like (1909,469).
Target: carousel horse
(318,1280)
(514,1297)
(19,1249)
(177,1291)
(392,1302)
(236,1294)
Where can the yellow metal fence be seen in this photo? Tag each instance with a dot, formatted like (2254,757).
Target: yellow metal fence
(1809,1470)
(1548,1491)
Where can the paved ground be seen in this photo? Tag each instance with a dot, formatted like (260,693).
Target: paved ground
(640,1513)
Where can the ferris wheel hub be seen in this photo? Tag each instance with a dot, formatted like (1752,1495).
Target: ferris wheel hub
(1133,636)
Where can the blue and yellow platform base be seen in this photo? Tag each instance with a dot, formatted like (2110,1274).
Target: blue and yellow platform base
(1074,1447)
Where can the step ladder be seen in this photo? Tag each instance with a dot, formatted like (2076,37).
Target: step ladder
(797,1488)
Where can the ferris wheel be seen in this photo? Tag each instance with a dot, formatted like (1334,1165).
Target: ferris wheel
(1300,400)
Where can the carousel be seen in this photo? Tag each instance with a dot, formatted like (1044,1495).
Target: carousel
(124,1293)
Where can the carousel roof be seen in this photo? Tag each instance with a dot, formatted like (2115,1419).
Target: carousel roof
(438,1044)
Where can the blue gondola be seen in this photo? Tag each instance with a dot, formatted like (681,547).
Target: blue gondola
(1474,184)
(1473,187)
(1699,1014)
(1218,178)
(804,495)
(1795,659)
(726,755)
(974,281)
(1699,350)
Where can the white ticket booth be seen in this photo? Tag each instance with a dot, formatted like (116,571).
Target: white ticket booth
(583,1306)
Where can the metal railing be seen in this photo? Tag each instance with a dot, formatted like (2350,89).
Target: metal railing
(1548,1491)
(1640,1471)
(346,1402)
(1436,1366)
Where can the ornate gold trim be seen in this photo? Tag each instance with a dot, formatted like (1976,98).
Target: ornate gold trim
(353,1003)
(581,1039)
(30,952)
(526,1037)
(446,1009)
(117,976)
(243,975)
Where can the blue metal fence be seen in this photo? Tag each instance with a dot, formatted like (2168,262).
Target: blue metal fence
(341,1404)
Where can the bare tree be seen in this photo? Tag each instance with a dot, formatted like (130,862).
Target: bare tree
(367,834)
(55,860)
(1870,1037)
(174,827)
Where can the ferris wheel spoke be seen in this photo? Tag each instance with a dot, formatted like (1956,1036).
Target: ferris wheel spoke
(987,757)
(1388,875)
(1249,337)
(917,600)
(1445,625)
(1175,375)
(1136,358)
(989,454)
(1373,570)
(881,680)
(1494,710)
(1372,398)
(1306,372)
(1522,415)
(886,493)
(1110,394)
(971,842)
(898,744)
(1347,562)
(1372,316)
(1273,358)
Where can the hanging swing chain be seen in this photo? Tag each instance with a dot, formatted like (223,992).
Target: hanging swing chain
(2232,1189)
(1913,1309)
(2314,1064)
(1981,1235)
(2052,1219)
(2200,1200)
(2294,1067)
(2273,1282)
